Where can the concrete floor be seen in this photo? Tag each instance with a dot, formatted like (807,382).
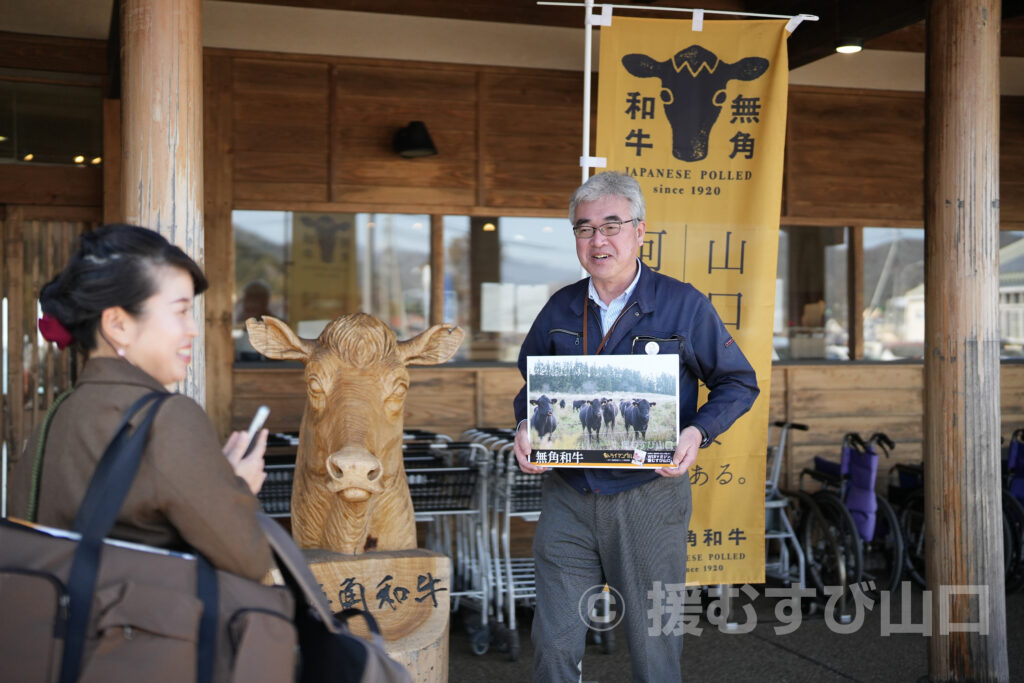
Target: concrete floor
(812,653)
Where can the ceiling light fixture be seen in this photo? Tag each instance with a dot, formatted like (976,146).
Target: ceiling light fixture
(29,157)
(849,46)
(79,159)
(489,227)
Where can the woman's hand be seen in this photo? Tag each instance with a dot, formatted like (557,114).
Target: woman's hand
(250,468)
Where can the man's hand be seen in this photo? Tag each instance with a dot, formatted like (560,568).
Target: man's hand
(686,453)
(522,449)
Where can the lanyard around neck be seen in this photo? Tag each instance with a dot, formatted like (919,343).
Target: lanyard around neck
(604,340)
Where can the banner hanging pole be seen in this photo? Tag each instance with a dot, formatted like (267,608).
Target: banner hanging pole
(588,43)
(588,162)
(758,15)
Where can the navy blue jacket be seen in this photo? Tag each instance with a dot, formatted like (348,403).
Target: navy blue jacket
(680,320)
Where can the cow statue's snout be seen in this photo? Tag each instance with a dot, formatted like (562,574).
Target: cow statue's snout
(355,473)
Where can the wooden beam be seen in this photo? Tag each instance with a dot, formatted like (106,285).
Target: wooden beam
(508,11)
(963,506)
(865,19)
(436,269)
(111,160)
(219,240)
(911,38)
(855,291)
(50,53)
(162,132)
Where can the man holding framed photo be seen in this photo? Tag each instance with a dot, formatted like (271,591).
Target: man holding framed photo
(626,528)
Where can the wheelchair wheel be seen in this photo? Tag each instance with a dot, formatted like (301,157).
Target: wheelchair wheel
(912,526)
(883,554)
(1013,524)
(839,518)
(823,556)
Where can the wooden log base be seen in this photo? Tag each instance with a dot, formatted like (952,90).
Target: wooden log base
(406,591)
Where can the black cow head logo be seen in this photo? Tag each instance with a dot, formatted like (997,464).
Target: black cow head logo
(693,92)
(327,230)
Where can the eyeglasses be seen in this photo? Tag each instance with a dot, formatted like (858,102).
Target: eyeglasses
(609,229)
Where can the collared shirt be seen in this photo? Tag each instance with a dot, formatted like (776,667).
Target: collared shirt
(610,312)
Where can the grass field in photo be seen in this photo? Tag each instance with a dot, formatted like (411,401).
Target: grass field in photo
(661,430)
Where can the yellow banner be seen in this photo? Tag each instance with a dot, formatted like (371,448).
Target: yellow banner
(699,119)
(323,272)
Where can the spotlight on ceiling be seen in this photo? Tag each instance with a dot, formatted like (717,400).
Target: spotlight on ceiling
(849,46)
(414,141)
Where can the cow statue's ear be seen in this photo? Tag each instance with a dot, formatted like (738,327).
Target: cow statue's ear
(431,347)
(274,339)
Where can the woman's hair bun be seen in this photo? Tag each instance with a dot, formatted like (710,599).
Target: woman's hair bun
(111,267)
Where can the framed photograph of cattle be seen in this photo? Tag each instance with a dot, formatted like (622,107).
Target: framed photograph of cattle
(603,411)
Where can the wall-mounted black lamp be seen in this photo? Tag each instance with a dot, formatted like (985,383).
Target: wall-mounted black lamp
(414,141)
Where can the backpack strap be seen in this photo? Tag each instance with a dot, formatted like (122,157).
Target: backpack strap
(37,463)
(96,516)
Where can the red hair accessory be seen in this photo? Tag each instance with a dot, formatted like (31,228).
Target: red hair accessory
(54,331)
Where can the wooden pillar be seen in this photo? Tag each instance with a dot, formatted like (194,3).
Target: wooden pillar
(962,488)
(436,269)
(162,135)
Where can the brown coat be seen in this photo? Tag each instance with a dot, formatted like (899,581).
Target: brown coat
(185,493)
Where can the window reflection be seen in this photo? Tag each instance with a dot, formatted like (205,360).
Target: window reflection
(893,293)
(50,123)
(811,310)
(309,268)
(499,272)
(1011,294)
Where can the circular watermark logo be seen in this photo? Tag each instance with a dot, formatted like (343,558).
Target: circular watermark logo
(601,607)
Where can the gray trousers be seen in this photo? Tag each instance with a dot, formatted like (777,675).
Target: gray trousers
(629,540)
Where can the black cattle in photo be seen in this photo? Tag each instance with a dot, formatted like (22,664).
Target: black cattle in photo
(543,420)
(610,412)
(693,92)
(561,404)
(590,418)
(576,405)
(636,415)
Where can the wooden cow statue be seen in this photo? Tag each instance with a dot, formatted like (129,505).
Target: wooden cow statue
(350,493)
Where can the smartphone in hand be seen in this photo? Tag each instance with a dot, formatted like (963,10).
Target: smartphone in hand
(258,421)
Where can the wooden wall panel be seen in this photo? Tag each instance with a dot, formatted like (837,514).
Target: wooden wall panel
(370,103)
(1011,161)
(531,128)
(855,154)
(830,399)
(280,129)
(498,387)
(50,53)
(51,185)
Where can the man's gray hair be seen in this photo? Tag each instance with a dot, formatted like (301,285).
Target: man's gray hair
(609,184)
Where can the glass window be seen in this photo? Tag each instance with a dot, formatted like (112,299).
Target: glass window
(50,123)
(893,293)
(811,310)
(1011,294)
(499,272)
(309,268)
